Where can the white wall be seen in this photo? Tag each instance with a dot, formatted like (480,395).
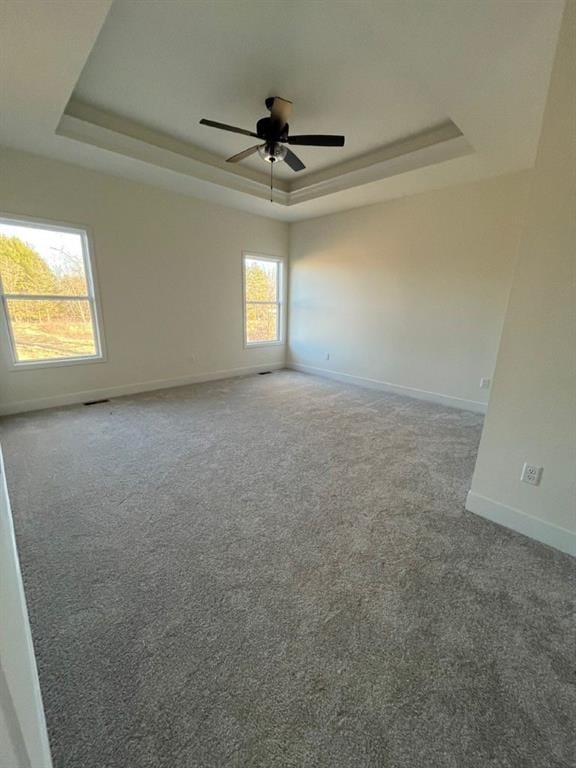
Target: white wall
(23,737)
(8,755)
(532,413)
(410,292)
(169,272)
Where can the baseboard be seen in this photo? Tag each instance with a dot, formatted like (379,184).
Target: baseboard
(534,527)
(73,398)
(399,389)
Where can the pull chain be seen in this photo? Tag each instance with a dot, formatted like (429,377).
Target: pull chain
(271,175)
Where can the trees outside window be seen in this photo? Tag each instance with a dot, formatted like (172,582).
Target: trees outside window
(263,304)
(48,293)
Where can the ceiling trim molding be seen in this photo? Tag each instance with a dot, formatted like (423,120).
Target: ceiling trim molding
(401,157)
(91,125)
(103,138)
(114,123)
(438,134)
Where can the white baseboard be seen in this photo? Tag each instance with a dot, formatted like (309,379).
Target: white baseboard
(73,398)
(534,527)
(399,389)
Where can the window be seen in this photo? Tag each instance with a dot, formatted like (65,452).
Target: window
(48,293)
(263,306)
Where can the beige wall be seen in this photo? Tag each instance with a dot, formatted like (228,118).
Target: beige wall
(8,756)
(532,413)
(410,292)
(23,736)
(169,272)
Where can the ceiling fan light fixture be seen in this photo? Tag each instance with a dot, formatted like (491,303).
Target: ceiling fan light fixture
(272,152)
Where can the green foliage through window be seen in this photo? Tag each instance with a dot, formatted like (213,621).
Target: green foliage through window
(36,265)
(262,300)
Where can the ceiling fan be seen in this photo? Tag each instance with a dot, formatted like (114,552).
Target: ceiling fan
(273,133)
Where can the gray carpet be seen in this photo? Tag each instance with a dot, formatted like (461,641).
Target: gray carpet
(278,572)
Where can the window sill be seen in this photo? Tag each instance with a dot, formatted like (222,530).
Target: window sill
(38,364)
(256,344)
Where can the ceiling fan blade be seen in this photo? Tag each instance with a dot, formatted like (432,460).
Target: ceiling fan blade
(231,128)
(280,110)
(242,155)
(320,140)
(293,161)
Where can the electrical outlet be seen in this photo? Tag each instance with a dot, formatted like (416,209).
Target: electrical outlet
(484,383)
(531,474)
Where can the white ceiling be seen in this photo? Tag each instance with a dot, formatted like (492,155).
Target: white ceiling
(168,65)
(142,74)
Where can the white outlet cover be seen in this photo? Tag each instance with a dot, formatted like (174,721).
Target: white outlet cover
(531,474)
(484,383)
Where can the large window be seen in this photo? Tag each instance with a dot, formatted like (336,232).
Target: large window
(263,305)
(48,293)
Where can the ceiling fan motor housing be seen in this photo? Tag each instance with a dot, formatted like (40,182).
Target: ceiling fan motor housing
(270,130)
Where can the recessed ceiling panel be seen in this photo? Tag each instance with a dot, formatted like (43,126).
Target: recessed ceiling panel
(343,64)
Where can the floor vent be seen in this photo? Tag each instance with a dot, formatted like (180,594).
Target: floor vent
(97,402)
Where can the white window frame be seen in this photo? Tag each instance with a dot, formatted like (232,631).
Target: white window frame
(92,297)
(280,303)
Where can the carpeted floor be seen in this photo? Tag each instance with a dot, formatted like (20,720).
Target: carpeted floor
(278,572)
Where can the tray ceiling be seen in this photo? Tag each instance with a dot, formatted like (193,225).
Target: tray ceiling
(427,93)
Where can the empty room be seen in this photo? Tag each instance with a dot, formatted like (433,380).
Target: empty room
(287,383)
